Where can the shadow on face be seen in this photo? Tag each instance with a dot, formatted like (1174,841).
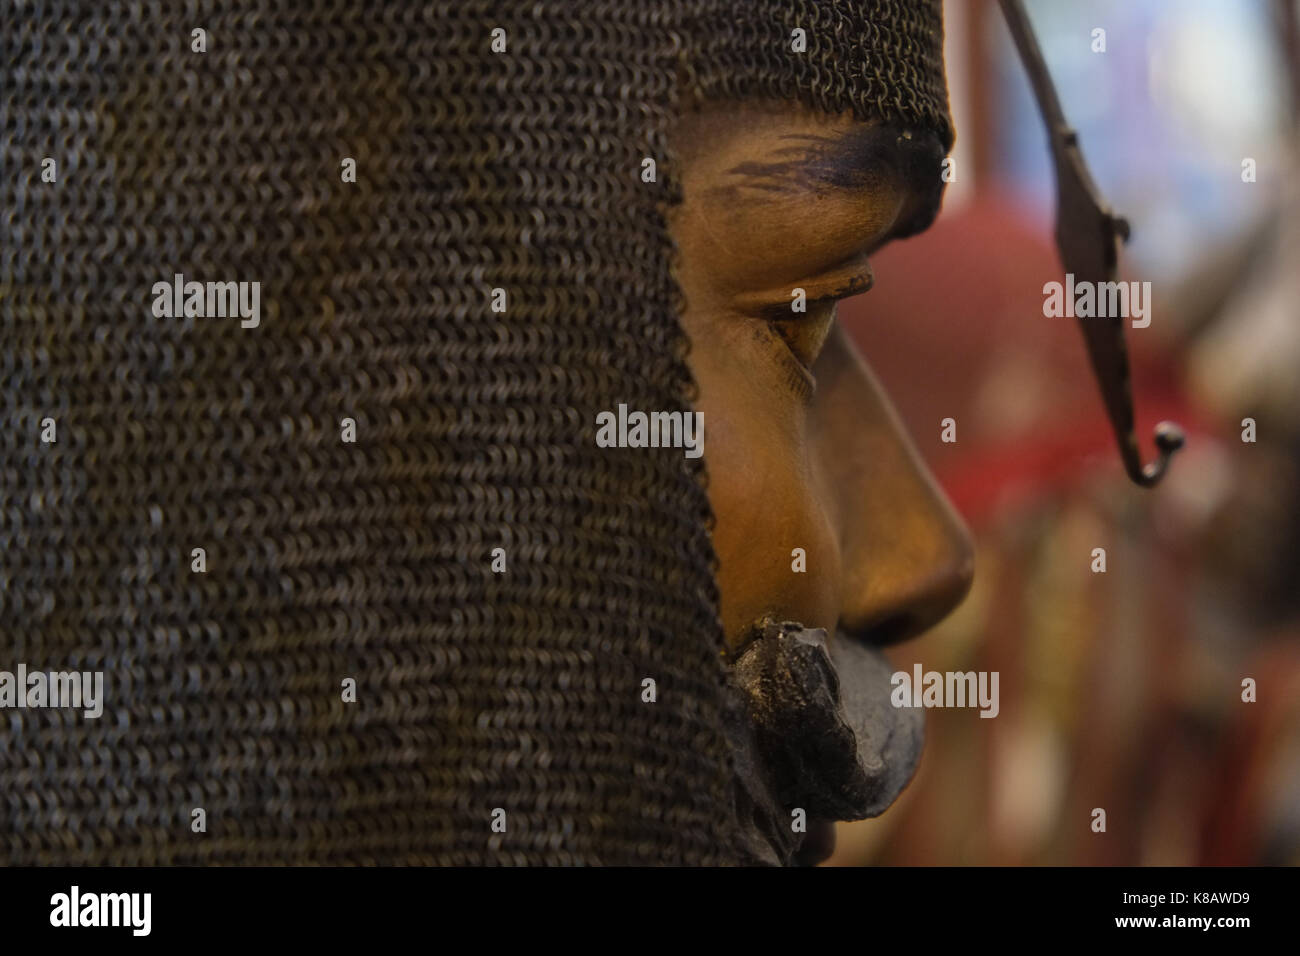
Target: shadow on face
(808,463)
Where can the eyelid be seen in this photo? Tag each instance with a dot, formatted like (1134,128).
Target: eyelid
(816,310)
(853,277)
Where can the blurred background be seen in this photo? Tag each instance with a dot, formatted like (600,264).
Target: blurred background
(1120,690)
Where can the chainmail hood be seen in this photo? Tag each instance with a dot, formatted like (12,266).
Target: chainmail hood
(233,517)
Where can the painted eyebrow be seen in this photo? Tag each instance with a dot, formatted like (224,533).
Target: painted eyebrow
(845,161)
(864,156)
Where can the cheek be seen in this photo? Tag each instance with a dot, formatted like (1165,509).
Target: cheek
(765,501)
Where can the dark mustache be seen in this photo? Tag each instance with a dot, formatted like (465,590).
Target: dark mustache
(826,731)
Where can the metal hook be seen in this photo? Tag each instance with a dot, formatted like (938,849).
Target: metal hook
(1169,439)
(1088,236)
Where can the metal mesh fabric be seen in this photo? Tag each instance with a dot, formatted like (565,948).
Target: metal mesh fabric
(372,559)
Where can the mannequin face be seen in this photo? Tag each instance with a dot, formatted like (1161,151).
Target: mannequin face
(803,449)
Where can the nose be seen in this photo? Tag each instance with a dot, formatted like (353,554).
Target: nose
(906,557)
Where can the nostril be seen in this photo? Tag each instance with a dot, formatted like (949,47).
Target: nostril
(916,606)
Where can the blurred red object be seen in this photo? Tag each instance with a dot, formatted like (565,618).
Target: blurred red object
(954,328)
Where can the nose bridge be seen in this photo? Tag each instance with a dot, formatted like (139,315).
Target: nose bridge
(906,556)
